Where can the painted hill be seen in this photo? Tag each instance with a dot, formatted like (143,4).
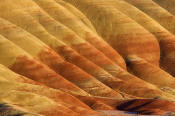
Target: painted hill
(87,57)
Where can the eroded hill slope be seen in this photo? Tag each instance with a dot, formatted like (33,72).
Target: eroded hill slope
(86,57)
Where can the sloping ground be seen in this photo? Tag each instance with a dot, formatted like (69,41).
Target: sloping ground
(87,57)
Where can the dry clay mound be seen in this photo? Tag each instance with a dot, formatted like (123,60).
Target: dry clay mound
(87,57)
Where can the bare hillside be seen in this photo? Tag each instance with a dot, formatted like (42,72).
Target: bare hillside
(87,57)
